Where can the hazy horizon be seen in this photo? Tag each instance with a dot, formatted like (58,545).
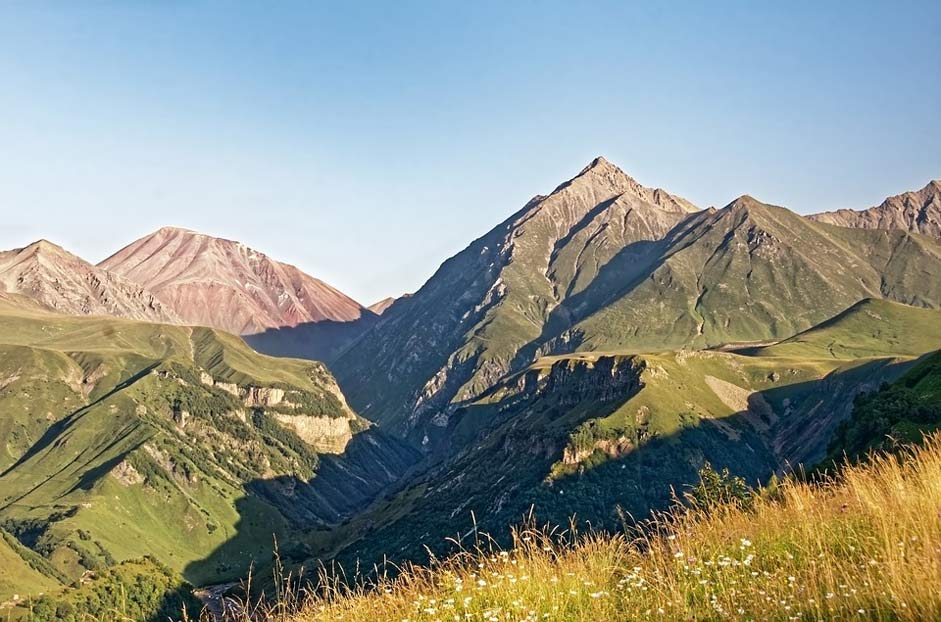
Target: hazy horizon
(367,144)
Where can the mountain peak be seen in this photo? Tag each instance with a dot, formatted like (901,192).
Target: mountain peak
(172,229)
(602,176)
(744,202)
(599,164)
(381,306)
(59,280)
(45,246)
(917,210)
(224,284)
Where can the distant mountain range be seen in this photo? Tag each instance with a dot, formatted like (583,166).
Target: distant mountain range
(586,356)
(912,211)
(182,277)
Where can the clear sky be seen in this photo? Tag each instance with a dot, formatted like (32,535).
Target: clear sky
(366,142)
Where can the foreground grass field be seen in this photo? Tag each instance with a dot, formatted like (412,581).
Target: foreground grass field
(862,546)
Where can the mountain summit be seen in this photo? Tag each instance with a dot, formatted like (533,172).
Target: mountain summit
(605,264)
(467,325)
(59,280)
(224,284)
(917,211)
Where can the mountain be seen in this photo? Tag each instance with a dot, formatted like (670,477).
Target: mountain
(747,272)
(918,211)
(224,284)
(610,436)
(57,279)
(462,330)
(380,307)
(122,439)
(604,264)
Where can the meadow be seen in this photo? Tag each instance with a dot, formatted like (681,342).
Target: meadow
(864,544)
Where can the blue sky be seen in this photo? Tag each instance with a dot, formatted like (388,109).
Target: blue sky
(366,143)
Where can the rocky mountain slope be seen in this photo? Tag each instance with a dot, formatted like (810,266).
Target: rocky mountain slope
(747,272)
(380,307)
(602,264)
(462,330)
(58,280)
(122,439)
(224,284)
(917,211)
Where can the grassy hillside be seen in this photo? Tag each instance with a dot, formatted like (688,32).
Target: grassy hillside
(601,435)
(854,548)
(125,439)
(899,413)
(869,328)
(23,572)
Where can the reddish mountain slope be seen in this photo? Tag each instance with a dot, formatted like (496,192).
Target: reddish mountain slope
(225,284)
(59,280)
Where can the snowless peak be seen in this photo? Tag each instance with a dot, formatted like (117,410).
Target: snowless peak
(177,230)
(601,165)
(225,284)
(45,246)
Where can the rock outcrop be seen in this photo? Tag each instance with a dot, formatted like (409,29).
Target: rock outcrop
(328,435)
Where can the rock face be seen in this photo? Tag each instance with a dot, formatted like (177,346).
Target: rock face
(465,328)
(328,435)
(919,212)
(224,284)
(61,281)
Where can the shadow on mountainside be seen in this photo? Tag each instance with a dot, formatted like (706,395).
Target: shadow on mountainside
(503,464)
(629,267)
(320,341)
(273,510)
(55,430)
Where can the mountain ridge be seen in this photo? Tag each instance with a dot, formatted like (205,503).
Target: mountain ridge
(595,265)
(57,279)
(225,284)
(918,211)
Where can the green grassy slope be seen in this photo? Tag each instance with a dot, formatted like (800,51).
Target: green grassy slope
(592,433)
(22,572)
(898,414)
(125,439)
(869,328)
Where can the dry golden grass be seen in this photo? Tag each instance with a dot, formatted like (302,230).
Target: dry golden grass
(865,546)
